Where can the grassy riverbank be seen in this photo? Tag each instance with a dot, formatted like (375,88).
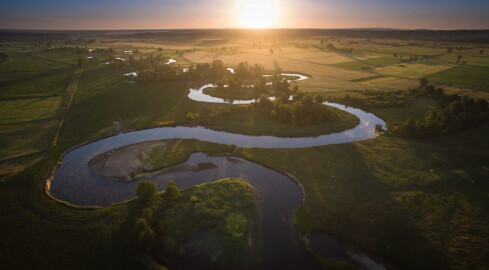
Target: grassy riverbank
(245,93)
(412,203)
(255,123)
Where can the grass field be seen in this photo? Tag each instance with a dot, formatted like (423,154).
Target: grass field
(29,109)
(472,57)
(244,93)
(107,98)
(369,63)
(411,70)
(25,74)
(416,204)
(25,138)
(253,123)
(475,77)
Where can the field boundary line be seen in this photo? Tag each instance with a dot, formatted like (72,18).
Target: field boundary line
(71,92)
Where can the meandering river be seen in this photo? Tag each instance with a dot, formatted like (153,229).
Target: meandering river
(275,240)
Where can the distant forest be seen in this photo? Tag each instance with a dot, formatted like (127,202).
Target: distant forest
(473,36)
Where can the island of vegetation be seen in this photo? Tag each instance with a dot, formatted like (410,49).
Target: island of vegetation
(164,221)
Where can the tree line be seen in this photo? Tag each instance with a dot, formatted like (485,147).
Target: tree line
(302,109)
(451,114)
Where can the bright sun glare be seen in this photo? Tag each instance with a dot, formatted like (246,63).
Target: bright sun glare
(258,13)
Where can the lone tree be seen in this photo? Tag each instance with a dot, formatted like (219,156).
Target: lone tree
(146,192)
(172,193)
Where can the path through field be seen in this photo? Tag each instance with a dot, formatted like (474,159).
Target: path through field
(71,92)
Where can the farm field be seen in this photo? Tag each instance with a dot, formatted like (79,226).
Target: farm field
(412,70)
(366,64)
(474,77)
(24,74)
(26,138)
(29,109)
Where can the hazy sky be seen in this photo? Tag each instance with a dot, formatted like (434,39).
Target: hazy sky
(153,14)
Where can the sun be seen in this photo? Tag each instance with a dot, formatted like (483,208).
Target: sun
(258,13)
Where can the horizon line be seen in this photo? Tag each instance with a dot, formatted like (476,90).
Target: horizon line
(254,29)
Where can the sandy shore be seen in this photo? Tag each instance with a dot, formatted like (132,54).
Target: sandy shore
(124,163)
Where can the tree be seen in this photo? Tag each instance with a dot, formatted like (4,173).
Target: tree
(307,101)
(217,65)
(284,113)
(481,51)
(146,192)
(458,58)
(172,193)
(265,105)
(147,214)
(423,82)
(319,98)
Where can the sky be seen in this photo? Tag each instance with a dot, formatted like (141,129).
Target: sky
(172,14)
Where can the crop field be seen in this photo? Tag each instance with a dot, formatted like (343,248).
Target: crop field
(29,109)
(365,64)
(471,57)
(475,77)
(58,56)
(21,61)
(25,138)
(411,70)
(389,48)
(31,75)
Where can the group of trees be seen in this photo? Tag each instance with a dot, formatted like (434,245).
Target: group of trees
(398,98)
(451,114)
(154,69)
(374,99)
(303,109)
(253,79)
(150,226)
(75,49)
